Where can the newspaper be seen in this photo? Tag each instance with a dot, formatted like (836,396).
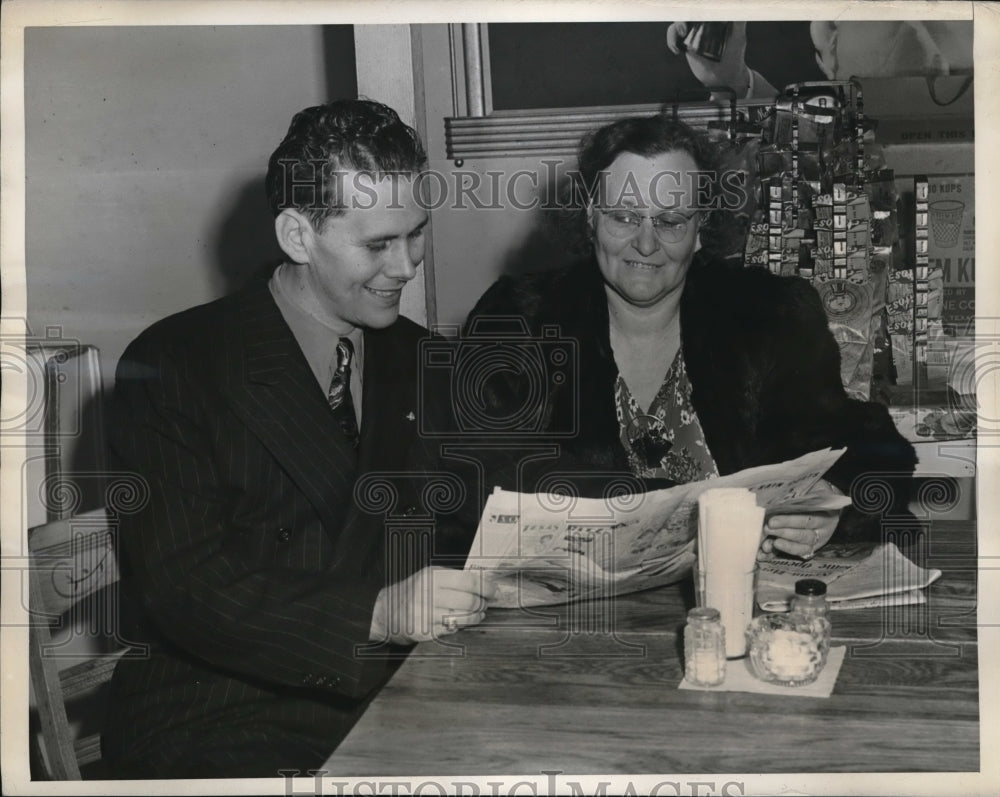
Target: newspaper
(857,576)
(547,548)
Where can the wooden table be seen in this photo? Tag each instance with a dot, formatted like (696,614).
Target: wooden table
(523,693)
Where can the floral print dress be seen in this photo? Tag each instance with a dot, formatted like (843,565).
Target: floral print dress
(667,441)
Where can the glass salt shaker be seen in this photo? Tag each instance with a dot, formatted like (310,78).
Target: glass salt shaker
(704,647)
(791,649)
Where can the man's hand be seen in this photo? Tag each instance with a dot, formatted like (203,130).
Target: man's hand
(730,72)
(431,603)
(802,534)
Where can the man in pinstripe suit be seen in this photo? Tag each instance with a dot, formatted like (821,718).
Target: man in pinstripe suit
(263,584)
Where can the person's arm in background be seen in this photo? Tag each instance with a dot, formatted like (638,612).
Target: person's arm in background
(730,71)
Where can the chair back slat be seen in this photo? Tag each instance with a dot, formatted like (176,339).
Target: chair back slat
(57,736)
(88,749)
(83,677)
(72,561)
(73,558)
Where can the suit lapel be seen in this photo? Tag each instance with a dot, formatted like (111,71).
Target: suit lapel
(272,388)
(389,401)
(388,428)
(275,393)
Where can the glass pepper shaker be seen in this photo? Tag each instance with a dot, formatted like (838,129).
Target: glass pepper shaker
(704,647)
(791,649)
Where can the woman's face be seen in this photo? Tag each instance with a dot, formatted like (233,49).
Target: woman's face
(643,263)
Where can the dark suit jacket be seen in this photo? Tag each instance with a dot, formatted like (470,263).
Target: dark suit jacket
(764,370)
(255,565)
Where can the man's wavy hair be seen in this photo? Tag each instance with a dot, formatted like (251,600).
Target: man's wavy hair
(324,142)
(647,136)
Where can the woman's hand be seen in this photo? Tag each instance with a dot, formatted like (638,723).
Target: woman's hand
(431,603)
(801,534)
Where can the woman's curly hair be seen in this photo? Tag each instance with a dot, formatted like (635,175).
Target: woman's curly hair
(647,136)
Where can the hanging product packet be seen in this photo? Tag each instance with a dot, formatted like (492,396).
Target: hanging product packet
(846,293)
(738,142)
(816,220)
(886,259)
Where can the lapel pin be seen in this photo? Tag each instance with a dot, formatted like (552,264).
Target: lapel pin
(410,416)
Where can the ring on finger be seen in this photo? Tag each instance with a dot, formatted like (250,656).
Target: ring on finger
(450,623)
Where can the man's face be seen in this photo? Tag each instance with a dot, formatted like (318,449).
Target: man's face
(359,261)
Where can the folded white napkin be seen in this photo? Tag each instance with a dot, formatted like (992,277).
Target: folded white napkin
(740,679)
(729,529)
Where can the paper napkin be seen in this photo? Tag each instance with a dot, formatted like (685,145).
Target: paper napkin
(740,679)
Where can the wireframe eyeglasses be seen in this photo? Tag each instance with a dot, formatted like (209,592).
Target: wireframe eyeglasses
(669,226)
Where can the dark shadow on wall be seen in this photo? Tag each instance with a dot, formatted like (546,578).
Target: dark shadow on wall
(541,250)
(557,236)
(245,246)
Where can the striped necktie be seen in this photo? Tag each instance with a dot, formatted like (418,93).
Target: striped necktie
(339,395)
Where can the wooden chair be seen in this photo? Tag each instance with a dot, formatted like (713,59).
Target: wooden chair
(64,428)
(73,578)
